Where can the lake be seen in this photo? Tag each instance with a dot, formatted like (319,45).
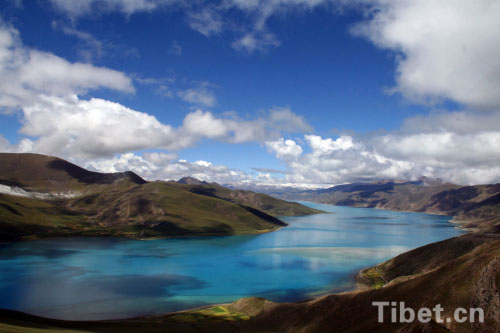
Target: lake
(103,278)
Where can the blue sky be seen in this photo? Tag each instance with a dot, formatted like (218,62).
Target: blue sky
(328,91)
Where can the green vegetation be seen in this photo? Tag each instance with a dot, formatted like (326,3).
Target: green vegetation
(375,277)
(218,312)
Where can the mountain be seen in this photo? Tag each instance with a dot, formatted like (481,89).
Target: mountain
(459,272)
(191,181)
(43,196)
(472,206)
(260,201)
(34,172)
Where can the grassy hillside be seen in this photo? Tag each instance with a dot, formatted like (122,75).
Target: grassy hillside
(263,202)
(459,272)
(61,199)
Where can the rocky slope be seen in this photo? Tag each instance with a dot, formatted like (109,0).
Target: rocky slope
(43,196)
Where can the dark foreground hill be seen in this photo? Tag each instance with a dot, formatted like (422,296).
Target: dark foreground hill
(43,196)
(472,206)
(460,272)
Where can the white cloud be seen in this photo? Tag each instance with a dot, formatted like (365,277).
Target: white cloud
(148,166)
(80,128)
(204,124)
(208,18)
(159,166)
(77,8)
(268,127)
(25,74)
(284,149)
(206,21)
(252,42)
(90,48)
(258,37)
(325,146)
(73,8)
(76,128)
(201,95)
(340,161)
(461,147)
(464,122)
(162,85)
(283,118)
(448,49)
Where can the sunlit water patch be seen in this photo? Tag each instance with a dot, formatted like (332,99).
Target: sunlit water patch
(92,278)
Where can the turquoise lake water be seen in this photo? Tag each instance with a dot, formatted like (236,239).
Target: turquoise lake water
(96,278)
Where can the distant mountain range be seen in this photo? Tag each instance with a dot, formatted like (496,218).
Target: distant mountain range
(475,206)
(44,196)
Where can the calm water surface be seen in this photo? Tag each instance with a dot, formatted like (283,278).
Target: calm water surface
(92,278)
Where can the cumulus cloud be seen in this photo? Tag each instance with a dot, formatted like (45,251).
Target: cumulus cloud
(336,161)
(460,147)
(148,166)
(284,149)
(205,124)
(161,166)
(26,74)
(267,127)
(78,128)
(93,128)
(448,49)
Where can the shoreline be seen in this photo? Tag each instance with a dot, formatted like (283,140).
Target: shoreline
(30,238)
(459,224)
(360,282)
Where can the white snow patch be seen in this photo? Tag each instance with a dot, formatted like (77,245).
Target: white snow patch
(19,192)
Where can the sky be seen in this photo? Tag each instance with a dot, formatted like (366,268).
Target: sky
(302,93)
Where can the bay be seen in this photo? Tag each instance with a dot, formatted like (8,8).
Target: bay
(105,278)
